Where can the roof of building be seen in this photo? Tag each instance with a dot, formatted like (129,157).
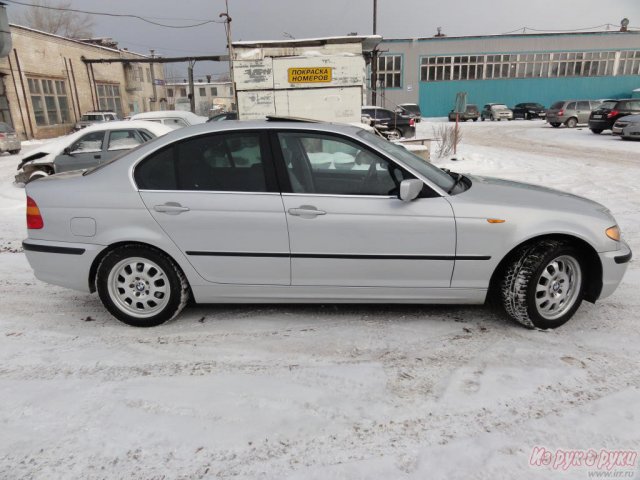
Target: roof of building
(508,35)
(85,44)
(368,42)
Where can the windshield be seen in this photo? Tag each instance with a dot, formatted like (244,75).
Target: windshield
(608,105)
(437,176)
(411,108)
(91,117)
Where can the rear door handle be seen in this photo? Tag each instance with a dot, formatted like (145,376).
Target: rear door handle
(97,157)
(171,208)
(307,211)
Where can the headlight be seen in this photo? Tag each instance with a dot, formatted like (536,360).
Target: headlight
(613,233)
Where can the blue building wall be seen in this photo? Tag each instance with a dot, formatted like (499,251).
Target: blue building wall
(438,98)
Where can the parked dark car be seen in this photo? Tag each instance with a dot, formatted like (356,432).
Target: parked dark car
(603,117)
(397,124)
(411,109)
(224,116)
(529,111)
(471,113)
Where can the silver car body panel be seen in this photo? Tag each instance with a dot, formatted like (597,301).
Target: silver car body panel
(250,247)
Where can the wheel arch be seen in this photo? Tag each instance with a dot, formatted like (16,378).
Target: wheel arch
(590,256)
(93,271)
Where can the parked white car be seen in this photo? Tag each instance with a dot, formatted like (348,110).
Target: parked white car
(628,128)
(87,148)
(171,118)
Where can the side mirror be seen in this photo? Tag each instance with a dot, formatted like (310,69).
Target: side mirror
(410,189)
(67,151)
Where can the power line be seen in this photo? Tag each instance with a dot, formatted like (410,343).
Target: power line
(524,29)
(119,15)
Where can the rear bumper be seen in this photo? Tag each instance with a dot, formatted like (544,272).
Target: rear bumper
(62,263)
(614,264)
(9,144)
(603,124)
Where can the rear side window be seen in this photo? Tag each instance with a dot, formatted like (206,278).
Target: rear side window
(571,106)
(635,105)
(124,140)
(228,162)
(557,105)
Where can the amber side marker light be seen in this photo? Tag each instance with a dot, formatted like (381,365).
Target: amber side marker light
(613,233)
(34,219)
(495,220)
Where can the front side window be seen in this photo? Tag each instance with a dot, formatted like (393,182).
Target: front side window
(325,164)
(223,162)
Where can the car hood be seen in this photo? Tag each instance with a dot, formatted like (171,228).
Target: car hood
(496,191)
(45,153)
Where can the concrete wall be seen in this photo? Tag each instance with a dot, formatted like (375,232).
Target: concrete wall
(45,56)
(204,103)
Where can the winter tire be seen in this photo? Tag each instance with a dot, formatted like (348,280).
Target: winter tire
(543,285)
(597,131)
(572,122)
(141,286)
(14,152)
(394,134)
(555,125)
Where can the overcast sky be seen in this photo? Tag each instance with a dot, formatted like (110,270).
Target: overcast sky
(274,19)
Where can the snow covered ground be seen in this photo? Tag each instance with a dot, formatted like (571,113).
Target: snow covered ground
(326,391)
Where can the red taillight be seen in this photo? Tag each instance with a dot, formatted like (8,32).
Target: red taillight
(412,122)
(612,113)
(34,219)
(2,135)
(560,113)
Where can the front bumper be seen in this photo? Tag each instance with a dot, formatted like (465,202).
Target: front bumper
(62,263)
(614,264)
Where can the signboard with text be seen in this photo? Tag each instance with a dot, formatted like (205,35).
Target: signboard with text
(310,75)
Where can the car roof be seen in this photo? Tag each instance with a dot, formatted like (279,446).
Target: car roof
(168,114)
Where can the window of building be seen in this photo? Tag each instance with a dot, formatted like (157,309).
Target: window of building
(203,91)
(390,71)
(214,91)
(109,98)
(169,92)
(183,92)
(49,101)
(629,63)
(231,162)
(149,75)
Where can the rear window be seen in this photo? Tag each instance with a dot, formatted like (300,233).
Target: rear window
(557,105)
(472,108)
(411,108)
(608,105)
(6,128)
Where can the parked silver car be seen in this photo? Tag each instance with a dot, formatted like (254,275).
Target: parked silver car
(9,141)
(628,128)
(496,111)
(571,112)
(273,212)
(86,148)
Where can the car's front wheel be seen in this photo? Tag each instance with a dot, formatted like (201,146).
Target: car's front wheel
(597,131)
(140,286)
(543,284)
(555,124)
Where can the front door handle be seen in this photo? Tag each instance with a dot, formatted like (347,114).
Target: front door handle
(171,208)
(306,211)
(97,157)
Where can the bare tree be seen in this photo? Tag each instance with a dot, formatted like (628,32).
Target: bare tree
(57,19)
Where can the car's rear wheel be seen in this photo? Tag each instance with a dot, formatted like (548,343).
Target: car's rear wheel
(394,134)
(543,284)
(554,124)
(141,286)
(572,122)
(14,152)
(597,131)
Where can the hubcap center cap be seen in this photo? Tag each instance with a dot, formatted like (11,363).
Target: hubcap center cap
(140,286)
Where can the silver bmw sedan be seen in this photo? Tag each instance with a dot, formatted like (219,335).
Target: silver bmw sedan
(283,211)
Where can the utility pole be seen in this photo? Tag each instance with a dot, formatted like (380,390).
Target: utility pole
(153,82)
(374,56)
(192,96)
(227,28)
